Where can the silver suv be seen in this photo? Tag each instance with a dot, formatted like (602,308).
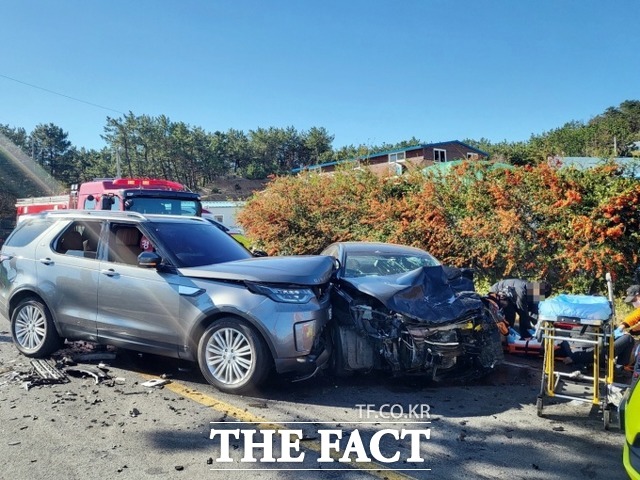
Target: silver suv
(174,286)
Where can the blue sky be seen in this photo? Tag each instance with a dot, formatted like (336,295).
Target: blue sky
(368,71)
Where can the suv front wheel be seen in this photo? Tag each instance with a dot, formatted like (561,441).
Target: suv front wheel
(232,356)
(32,329)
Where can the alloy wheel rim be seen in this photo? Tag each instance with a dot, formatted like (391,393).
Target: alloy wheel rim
(229,356)
(30,327)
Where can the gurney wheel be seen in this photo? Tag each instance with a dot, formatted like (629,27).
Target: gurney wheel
(539,406)
(606,414)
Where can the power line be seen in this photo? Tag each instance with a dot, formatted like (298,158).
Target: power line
(61,94)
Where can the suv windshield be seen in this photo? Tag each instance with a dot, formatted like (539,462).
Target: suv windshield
(197,244)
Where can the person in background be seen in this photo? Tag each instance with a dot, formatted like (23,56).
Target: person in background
(631,326)
(523,299)
(496,301)
(624,343)
(622,348)
(631,323)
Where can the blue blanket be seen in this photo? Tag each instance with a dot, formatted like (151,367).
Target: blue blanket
(586,307)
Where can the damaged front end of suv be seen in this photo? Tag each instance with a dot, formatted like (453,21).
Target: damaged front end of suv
(428,321)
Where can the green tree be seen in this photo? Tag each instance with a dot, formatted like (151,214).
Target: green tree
(118,133)
(238,151)
(620,123)
(17,135)
(51,148)
(218,162)
(317,144)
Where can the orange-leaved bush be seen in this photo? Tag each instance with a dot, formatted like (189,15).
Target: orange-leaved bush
(567,226)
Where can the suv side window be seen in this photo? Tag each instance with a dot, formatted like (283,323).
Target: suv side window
(125,244)
(90,231)
(27,231)
(79,239)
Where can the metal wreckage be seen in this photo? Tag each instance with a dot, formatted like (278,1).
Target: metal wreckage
(428,321)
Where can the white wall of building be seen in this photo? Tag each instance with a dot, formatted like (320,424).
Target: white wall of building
(224,212)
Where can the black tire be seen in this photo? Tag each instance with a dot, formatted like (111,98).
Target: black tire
(233,357)
(32,329)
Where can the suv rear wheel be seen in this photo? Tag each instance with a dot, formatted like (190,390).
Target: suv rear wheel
(232,356)
(32,329)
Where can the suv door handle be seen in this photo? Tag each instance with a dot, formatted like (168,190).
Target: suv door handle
(109,272)
(46,261)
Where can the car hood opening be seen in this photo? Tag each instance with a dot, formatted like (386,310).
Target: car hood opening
(424,295)
(299,270)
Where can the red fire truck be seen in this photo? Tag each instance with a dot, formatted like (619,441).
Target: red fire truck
(135,194)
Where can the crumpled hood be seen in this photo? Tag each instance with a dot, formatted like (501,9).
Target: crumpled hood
(424,294)
(299,270)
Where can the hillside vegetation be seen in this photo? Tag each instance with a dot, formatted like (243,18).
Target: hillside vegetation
(145,146)
(535,222)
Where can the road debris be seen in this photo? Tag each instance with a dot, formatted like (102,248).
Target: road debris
(49,372)
(94,372)
(43,372)
(156,382)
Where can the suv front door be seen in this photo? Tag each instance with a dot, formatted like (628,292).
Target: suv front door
(137,307)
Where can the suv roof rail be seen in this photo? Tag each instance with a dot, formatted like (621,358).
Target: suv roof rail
(110,213)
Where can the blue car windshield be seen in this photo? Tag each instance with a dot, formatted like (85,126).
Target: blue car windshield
(199,243)
(380,264)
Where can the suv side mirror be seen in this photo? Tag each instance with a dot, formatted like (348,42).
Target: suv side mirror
(149,260)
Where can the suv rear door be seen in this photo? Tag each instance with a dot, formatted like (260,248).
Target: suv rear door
(68,278)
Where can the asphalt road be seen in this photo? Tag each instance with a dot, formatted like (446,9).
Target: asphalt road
(118,428)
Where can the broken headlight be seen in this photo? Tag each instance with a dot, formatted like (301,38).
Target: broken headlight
(443,336)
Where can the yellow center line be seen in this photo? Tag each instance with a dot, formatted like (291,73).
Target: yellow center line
(243,415)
